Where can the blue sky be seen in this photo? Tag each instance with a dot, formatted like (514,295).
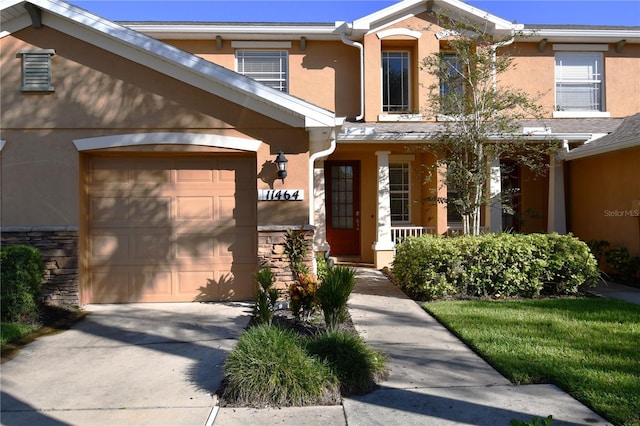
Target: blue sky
(590,12)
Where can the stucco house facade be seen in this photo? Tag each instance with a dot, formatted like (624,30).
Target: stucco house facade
(140,157)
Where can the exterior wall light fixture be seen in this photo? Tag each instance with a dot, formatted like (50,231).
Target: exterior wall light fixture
(281,163)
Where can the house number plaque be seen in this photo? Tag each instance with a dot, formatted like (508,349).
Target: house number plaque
(280,194)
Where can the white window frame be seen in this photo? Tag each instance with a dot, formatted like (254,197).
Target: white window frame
(388,107)
(404,193)
(593,64)
(280,60)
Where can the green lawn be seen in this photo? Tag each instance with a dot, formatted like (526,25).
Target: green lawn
(13,332)
(589,347)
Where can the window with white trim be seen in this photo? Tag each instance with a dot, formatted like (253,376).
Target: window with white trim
(579,81)
(36,70)
(399,192)
(269,67)
(395,81)
(452,86)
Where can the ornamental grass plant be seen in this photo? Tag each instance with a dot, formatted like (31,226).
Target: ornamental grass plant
(357,366)
(333,294)
(271,367)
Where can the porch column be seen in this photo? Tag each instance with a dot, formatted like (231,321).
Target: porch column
(495,191)
(557,219)
(383,247)
(320,217)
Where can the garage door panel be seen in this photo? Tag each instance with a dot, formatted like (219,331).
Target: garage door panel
(195,208)
(151,247)
(150,211)
(167,229)
(110,286)
(195,245)
(151,283)
(105,170)
(194,283)
(109,209)
(111,247)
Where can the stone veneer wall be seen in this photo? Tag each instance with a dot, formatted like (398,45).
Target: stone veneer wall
(271,240)
(59,250)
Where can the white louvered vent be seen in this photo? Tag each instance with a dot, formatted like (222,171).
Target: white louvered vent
(36,70)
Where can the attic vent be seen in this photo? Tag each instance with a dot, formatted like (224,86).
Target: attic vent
(36,70)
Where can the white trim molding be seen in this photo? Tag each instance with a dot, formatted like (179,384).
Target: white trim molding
(261,44)
(580,47)
(399,117)
(399,32)
(581,114)
(166,138)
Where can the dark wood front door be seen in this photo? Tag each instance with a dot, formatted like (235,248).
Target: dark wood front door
(342,179)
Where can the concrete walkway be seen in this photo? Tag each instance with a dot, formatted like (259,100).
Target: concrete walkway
(136,364)
(434,380)
(616,291)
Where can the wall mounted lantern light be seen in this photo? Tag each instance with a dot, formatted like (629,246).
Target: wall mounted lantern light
(281,163)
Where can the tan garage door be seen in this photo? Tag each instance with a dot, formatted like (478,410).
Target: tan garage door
(167,229)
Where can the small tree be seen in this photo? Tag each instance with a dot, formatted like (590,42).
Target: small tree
(480,118)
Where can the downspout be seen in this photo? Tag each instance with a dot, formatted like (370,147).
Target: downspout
(361,49)
(312,159)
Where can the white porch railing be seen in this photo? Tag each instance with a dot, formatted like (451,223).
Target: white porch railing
(399,233)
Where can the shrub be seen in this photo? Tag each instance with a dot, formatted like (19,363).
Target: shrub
(570,263)
(302,294)
(22,272)
(334,293)
(497,265)
(322,266)
(296,247)
(626,267)
(266,296)
(356,365)
(270,366)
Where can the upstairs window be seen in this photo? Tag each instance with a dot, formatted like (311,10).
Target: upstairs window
(452,86)
(36,70)
(399,192)
(579,81)
(269,67)
(395,81)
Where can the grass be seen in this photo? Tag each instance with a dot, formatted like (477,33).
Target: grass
(53,319)
(10,332)
(274,366)
(589,347)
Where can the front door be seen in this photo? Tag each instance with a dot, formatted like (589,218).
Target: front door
(342,179)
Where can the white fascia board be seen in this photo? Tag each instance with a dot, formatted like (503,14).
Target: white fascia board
(582,35)
(473,12)
(594,149)
(411,7)
(206,31)
(365,23)
(167,138)
(182,65)
(14,25)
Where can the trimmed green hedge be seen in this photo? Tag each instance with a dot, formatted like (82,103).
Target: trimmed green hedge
(497,265)
(21,274)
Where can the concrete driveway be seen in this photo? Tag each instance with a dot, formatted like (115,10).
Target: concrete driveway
(156,364)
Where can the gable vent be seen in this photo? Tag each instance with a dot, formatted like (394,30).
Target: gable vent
(36,70)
